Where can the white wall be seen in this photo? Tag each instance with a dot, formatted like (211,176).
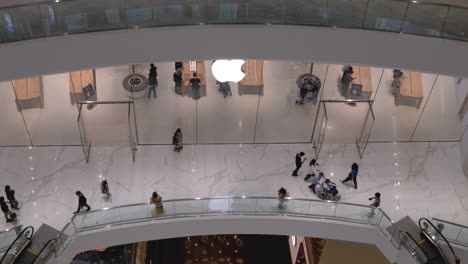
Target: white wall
(462,93)
(302,43)
(262,225)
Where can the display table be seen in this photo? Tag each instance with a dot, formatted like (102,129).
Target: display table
(29,93)
(252,83)
(361,76)
(78,81)
(135,85)
(411,91)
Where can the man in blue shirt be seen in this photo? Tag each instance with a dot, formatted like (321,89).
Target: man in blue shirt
(352,175)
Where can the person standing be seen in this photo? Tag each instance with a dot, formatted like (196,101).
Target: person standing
(299,162)
(105,189)
(5,209)
(352,175)
(156,199)
(10,194)
(313,169)
(177,140)
(375,203)
(282,196)
(82,202)
(316,180)
(153,80)
(195,83)
(302,93)
(177,77)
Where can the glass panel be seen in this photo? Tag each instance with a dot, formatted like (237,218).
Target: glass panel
(307,12)
(440,120)
(425,19)
(158,118)
(228,117)
(346,13)
(65,238)
(280,117)
(13,128)
(397,110)
(456,23)
(363,138)
(51,113)
(344,122)
(189,207)
(116,84)
(319,130)
(106,124)
(6,238)
(385,15)
(357,213)
(389,229)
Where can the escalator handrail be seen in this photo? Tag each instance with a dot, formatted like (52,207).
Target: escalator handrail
(53,240)
(438,231)
(18,237)
(416,243)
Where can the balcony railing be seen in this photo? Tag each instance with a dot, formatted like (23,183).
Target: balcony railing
(258,206)
(77,16)
(454,233)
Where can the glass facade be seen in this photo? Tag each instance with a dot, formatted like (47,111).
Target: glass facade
(45,110)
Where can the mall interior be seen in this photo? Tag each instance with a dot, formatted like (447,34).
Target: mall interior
(111,114)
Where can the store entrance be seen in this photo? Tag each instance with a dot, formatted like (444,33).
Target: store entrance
(343,122)
(107,123)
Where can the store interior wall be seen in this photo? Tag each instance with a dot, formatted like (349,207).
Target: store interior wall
(272,117)
(348,251)
(462,106)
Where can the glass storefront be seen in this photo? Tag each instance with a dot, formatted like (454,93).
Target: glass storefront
(265,107)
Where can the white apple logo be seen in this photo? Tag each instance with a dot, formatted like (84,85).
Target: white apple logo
(228,70)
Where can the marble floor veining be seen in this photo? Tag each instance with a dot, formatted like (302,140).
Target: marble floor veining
(415,179)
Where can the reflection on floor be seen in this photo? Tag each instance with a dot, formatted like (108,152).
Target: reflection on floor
(220,249)
(415,179)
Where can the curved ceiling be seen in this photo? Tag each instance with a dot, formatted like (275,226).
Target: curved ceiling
(232,224)
(295,43)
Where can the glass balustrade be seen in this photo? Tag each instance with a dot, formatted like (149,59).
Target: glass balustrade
(67,17)
(454,233)
(347,212)
(7,237)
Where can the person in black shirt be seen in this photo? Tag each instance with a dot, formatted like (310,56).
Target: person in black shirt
(5,209)
(178,65)
(195,81)
(10,194)
(81,202)
(299,162)
(177,77)
(153,80)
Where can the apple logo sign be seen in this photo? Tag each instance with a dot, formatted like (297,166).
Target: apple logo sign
(228,70)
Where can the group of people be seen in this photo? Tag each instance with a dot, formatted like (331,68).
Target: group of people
(177,77)
(317,178)
(308,85)
(10,216)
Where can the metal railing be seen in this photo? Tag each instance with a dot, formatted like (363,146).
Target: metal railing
(55,18)
(258,206)
(7,237)
(18,245)
(433,234)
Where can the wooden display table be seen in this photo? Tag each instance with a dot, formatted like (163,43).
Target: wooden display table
(78,81)
(252,83)
(187,73)
(411,91)
(29,93)
(361,76)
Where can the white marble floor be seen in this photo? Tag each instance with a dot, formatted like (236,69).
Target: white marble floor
(416,179)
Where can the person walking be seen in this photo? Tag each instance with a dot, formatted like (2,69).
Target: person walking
(9,215)
(81,202)
(302,93)
(10,195)
(156,199)
(105,189)
(375,203)
(177,77)
(153,80)
(316,180)
(177,140)
(282,196)
(352,175)
(299,162)
(313,169)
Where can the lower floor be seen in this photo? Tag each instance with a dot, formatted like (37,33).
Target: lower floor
(415,179)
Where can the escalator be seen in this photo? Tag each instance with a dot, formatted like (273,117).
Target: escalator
(31,247)
(425,242)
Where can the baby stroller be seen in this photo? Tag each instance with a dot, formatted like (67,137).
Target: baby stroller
(328,191)
(225,88)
